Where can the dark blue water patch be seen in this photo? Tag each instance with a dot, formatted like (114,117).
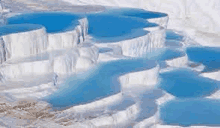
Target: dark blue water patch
(9,29)
(53,21)
(107,28)
(96,83)
(165,54)
(103,50)
(134,12)
(171,35)
(191,112)
(208,56)
(185,83)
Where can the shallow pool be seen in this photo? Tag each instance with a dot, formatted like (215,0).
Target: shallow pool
(185,83)
(10,29)
(96,83)
(53,21)
(163,54)
(191,112)
(112,28)
(172,35)
(208,56)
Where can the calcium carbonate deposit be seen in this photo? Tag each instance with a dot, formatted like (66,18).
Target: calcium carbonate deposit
(109,64)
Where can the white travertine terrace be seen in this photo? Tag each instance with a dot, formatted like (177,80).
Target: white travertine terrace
(119,118)
(67,52)
(178,62)
(139,46)
(31,52)
(162,21)
(24,44)
(146,77)
(70,38)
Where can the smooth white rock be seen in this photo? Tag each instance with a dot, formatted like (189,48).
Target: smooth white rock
(139,46)
(146,77)
(178,62)
(25,43)
(69,39)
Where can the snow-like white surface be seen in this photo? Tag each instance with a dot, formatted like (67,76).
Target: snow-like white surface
(81,57)
(25,43)
(212,75)
(118,118)
(70,38)
(178,62)
(76,59)
(141,45)
(146,77)
(66,53)
(23,69)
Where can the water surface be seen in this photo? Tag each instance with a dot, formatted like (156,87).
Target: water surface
(191,112)
(112,28)
(185,83)
(208,56)
(53,21)
(97,83)
(162,54)
(10,29)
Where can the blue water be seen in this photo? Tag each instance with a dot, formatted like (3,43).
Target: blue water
(53,21)
(111,28)
(169,54)
(96,83)
(171,35)
(208,56)
(9,29)
(164,54)
(191,112)
(184,83)
(132,12)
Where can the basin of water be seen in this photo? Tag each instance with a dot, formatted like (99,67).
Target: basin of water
(208,56)
(112,28)
(10,29)
(96,83)
(163,54)
(184,83)
(54,22)
(171,35)
(191,112)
